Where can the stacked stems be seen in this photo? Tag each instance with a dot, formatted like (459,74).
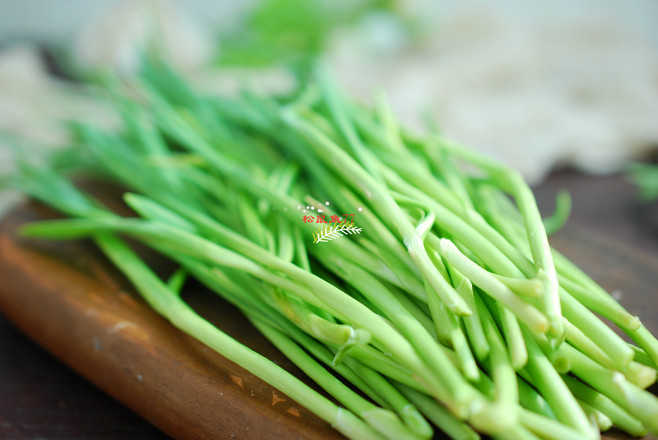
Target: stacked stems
(449,308)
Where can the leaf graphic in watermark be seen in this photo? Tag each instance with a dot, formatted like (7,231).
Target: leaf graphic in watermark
(335,230)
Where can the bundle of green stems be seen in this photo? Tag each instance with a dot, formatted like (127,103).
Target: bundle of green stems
(448,310)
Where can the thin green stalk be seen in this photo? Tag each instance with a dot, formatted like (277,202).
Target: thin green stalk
(642,357)
(560,216)
(501,366)
(422,314)
(473,323)
(448,423)
(579,340)
(610,309)
(383,364)
(531,400)
(619,416)
(442,323)
(602,335)
(492,287)
(643,337)
(299,312)
(547,428)
(553,389)
(614,385)
(399,403)
(180,315)
(513,336)
(532,288)
(381,420)
(602,421)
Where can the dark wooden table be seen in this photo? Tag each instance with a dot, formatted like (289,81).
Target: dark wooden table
(40,398)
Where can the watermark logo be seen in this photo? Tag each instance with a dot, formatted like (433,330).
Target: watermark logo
(333,226)
(335,230)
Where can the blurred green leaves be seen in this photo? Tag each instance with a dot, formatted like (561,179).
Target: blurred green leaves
(645,176)
(291,31)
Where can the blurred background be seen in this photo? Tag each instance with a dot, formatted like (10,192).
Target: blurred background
(565,91)
(537,86)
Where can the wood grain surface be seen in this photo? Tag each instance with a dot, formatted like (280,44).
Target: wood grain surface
(69,299)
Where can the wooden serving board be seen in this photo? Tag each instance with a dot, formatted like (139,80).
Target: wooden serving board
(68,298)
